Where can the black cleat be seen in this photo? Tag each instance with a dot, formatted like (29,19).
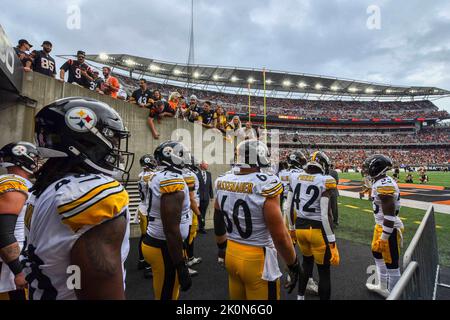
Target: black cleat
(148,273)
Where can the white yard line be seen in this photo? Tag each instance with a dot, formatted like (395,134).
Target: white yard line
(405,202)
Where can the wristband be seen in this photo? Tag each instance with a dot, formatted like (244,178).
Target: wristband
(15,266)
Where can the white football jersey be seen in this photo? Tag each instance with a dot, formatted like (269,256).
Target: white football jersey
(162,182)
(385,186)
(12,183)
(144,191)
(56,219)
(307,190)
(284,178)
(241,197)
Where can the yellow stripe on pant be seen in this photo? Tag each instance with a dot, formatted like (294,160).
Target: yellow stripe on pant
(193,228)
(143,222)
(165,278)
(245,265)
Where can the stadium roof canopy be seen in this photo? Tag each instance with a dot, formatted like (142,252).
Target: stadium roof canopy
(234,77)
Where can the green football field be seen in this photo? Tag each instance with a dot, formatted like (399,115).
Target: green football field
(357,222)
(436,178)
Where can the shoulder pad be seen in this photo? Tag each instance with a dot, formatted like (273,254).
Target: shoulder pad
(89,199)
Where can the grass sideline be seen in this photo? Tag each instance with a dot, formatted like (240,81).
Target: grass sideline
(436,178)
(356,224)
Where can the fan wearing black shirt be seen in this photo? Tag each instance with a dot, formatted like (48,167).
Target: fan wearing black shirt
(142,96)
(207,115)
(43,62)
(96,82)
(79,71)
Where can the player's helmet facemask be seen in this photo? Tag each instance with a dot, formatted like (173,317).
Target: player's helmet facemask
(320,160)
(252,154)
(172,155)
(86,131)
(21,154)
(377,165)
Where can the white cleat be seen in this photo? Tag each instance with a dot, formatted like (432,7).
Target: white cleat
(378,289)
(192,272)
(312,286)
(192,261)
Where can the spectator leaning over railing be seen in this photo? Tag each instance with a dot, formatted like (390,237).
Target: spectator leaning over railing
(79,72)
(247,133)
(42,61)
(220,120)
(206,117)
(142,96)
(159,110)
(22,49)
(110,85)
(96,82)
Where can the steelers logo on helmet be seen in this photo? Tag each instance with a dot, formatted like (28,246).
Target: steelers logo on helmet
(19,150)
(167,151)
(81,119)
(147,160)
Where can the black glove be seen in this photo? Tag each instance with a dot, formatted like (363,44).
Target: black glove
(294,272)
(221,253)
(183,276)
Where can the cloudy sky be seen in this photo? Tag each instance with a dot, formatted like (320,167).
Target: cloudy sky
(327,37)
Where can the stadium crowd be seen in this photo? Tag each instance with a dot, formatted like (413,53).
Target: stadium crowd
(422,137)
(345,159)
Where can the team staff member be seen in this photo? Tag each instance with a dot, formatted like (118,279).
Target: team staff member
(168,226)
(315,236)
(148,164)
(249,227)
(79,71)
(142,96)
(78,214)
(43,62)
(20,160)
(387,234)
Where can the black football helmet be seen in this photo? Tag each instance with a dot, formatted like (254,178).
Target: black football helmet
(21,154)
(252,154)
(377,165)
(296,159)
(86,131)
(320,160)
(148,161)
(172,154)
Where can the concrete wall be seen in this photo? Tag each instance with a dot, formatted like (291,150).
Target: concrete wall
(38,90)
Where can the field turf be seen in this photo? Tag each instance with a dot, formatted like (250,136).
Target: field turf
(436,178)
(356,224)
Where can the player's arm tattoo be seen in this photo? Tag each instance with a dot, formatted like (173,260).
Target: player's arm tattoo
(171,207)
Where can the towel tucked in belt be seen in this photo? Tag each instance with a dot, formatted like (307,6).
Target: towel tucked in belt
(271,270)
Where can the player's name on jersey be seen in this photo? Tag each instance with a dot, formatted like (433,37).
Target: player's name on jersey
(240,187)
(306,177)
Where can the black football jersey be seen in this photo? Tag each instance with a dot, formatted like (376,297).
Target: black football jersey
(75,74)
(44,63)
(142,97)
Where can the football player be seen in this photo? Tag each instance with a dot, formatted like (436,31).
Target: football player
(191,179)
(387,234)
(249,227)
(310,202)
(169,219)
(20,161)
(77,217)
(148,164)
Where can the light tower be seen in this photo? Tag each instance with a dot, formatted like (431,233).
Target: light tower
(191,54)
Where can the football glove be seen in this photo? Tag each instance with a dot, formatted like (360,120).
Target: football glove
(334,260)
(183,276)
(221,253)
(382,246)
(294,273)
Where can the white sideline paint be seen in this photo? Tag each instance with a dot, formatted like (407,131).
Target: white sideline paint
(441,208)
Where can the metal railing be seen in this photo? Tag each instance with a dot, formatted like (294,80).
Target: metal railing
(420,278)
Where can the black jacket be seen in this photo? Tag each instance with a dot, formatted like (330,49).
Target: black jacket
(205,189)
